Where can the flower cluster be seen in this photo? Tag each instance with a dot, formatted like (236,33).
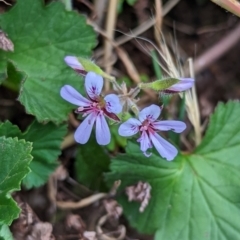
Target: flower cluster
(96,108)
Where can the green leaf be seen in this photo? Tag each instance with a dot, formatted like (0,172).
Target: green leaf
(131,2)
(42,38)
(91,162)
(3,71)
(9,130)
(14,78)
(5,233)
(196,196)
(156,66)
(15,158)
(46,149)
(46,141)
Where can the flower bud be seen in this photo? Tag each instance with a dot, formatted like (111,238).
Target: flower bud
(159,85)
(183,85)
(83,66)
(169,85)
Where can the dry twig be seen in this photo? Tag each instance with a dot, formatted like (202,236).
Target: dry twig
(110,26)
(158,23)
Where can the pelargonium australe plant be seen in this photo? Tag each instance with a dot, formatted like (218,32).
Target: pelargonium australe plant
(97,107)
(125,130)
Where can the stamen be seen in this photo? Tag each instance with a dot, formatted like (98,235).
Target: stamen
(80,109)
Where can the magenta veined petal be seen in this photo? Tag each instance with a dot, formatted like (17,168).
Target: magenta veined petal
(103,135)
(165,149)
(145,143)
(183,85)
(151,113)
(83,132)
(93,85)
(71,95)
(113,104)
(129,128)
(73,62)
(175,126)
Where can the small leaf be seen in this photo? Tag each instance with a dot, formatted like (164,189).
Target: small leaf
(46,141)
(5,233)
(91,162)
(196,196)
(15,159)
(9,130)
(46,149)
(3,70)
(131,2)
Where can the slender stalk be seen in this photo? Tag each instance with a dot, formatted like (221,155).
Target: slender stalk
(195,109)
(110,25)
(232,6)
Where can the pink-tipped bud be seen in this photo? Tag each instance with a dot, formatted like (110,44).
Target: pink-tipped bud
(74,63)
(183,85)
(84,65)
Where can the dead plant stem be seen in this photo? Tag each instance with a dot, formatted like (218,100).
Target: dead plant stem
(110,26)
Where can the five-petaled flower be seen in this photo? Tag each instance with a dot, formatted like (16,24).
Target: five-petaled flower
(148,126)
(95,108)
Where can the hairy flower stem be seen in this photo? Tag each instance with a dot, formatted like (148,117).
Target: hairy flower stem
(114,82)
(134,108)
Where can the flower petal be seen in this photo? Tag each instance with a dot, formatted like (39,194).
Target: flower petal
(145,143)
(111,116)
(183,85)
(165,149)
(71,95)
(103,135)
(93,85)
(83,132)
(175,126)
(129,128)
(151,113)
(73,62)
(113,104)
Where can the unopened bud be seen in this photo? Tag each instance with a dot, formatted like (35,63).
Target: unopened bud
(159,85)
(83,66)
(169,85)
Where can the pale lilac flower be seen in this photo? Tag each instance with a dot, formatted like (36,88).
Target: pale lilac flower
(183,85)
(95,108)
(148,126)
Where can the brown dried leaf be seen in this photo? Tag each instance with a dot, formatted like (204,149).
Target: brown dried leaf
(90,235)
(112,208)
(139,193)
(5,43)
(75,221)
(41,231)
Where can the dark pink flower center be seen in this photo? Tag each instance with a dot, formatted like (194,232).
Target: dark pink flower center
(147,124)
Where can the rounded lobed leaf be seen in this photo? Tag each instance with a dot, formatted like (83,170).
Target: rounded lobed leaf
(196,196)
